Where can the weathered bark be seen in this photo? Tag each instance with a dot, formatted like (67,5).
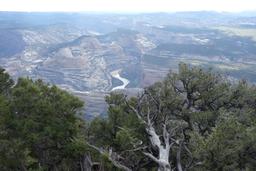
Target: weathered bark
(86,163)
(23,167)
(163,147)
(112,157)
(163,150)
(178,157)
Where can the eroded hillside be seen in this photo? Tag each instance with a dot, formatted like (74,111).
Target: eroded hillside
(78,52)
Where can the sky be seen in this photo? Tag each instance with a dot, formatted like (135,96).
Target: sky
(127,5)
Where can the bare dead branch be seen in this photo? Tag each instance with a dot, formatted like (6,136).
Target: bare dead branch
(110,157)
(178,157)
(151,157)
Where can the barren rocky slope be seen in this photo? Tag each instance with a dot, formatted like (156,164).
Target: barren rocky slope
(78,52)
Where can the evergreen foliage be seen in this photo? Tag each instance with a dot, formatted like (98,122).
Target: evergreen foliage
(195,119)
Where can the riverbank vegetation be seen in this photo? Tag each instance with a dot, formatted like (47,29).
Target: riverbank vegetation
(192,120)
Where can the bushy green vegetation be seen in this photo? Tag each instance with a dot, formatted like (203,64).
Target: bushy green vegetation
(40,129)
(206,122)
(193,120)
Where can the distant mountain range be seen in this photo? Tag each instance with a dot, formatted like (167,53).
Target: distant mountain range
(79,51)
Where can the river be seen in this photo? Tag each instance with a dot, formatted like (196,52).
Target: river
(116,74)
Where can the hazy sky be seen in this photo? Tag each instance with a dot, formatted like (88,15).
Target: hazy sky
(127,5)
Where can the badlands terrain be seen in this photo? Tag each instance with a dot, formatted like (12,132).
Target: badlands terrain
(91,55)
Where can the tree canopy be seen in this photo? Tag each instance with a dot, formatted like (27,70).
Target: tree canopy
(40,125)
(195,119)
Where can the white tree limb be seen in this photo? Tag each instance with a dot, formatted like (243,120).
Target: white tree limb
(110,157)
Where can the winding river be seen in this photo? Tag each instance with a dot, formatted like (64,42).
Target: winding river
(116,74)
